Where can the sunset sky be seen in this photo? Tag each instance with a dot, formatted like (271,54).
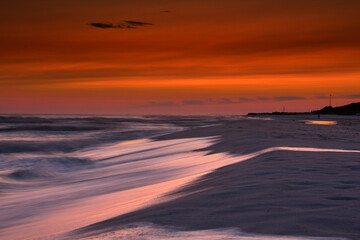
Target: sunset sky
(177,57)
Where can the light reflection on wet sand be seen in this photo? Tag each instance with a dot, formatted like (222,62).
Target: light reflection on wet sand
(124,177)
(320,122)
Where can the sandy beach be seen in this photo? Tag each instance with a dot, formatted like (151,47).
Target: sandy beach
(168,177)
(281,192)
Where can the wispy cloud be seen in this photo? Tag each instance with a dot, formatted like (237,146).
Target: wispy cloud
(231,101)
(287,98)
(212,101)
(321,97)
(162,104)
(123,25)
(193,102)
(350,96)
(354,96)
(263,98)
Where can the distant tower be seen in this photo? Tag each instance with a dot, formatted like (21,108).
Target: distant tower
(330,100)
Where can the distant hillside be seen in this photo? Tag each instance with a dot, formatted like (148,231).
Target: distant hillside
(350,109)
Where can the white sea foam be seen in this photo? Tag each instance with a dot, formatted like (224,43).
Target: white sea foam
(122,177)
(146,231)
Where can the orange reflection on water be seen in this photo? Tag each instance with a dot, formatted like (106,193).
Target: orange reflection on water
(132,141)
(320,122)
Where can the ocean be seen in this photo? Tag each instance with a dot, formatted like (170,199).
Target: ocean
(61,173)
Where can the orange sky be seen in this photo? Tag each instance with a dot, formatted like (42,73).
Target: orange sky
(197,57)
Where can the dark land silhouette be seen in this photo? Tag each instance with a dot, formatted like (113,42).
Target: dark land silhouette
(349,109)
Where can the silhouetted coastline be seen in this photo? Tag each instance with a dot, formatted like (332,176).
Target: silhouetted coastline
(349,109)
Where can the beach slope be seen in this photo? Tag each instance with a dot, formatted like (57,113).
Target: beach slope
(280,192)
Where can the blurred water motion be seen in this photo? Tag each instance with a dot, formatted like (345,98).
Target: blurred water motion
(101,168)
(61,194)
(62,172)
(145,231)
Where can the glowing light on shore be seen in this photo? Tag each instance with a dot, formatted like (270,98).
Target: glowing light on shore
(320,122)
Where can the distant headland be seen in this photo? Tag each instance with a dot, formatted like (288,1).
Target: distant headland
(350,109)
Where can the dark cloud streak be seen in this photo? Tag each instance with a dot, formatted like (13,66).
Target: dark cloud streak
(355,96)
(351,96)
(287,98)
(162,104)
(105,25)
(137,23)
(125,24)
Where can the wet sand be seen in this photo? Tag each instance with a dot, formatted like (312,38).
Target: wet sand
(278,193)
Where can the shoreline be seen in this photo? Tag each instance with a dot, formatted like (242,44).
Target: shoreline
(277,193)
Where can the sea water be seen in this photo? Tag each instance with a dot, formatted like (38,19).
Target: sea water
(60,173)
